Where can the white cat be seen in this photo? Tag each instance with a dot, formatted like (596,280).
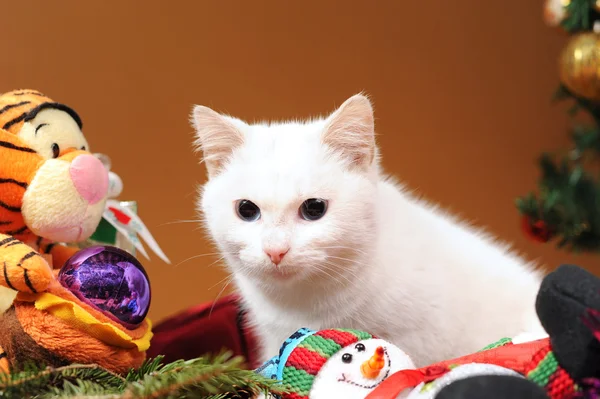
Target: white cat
(317,237)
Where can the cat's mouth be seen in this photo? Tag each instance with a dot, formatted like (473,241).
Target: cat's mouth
(283,273)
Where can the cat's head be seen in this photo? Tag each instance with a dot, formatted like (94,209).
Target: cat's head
(294,201)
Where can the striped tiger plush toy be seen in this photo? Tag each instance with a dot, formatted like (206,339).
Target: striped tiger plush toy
(52,190)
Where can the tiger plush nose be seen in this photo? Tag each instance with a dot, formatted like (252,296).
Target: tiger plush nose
(90,178)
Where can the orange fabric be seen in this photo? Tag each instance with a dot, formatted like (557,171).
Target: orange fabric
(71,155)
(60,254)
(71,344)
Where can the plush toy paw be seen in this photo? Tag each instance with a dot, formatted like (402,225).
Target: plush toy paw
(492,387)
(563,302)
(23,269)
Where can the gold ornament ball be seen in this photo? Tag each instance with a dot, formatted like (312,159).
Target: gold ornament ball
(580,66)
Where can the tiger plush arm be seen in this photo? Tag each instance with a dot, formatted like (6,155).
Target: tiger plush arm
(23,269)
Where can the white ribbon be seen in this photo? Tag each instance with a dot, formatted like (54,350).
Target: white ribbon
(123,219)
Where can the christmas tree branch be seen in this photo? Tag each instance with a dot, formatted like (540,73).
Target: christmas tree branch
(580,14)
(207,377)
(566,206)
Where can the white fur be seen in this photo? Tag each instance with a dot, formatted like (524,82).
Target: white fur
(380,260)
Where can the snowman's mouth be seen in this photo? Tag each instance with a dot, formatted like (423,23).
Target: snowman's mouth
(385,375)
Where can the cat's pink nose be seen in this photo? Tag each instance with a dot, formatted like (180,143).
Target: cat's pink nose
(276,254)
(89,177)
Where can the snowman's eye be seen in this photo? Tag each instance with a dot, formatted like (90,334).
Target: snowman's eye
(360,347)
(346,358)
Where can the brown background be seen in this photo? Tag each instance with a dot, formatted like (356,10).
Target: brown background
(461,88)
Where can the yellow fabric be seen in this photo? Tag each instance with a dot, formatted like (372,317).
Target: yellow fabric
(75,315)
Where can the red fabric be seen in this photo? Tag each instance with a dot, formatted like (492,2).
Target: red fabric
(516,357)
(196,332)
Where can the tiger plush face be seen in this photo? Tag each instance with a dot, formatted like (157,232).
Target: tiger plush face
(51,186)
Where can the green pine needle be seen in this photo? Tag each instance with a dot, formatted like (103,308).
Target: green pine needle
(207,377)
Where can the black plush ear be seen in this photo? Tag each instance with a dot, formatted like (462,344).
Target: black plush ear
(217,136)
(492,387)
(350,131)
(562,305)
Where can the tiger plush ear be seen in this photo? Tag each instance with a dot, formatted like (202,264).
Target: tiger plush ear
(217,136)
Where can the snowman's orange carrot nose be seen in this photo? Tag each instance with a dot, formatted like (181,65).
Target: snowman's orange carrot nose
(372,367)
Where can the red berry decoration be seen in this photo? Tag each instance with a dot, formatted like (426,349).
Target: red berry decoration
(537,230)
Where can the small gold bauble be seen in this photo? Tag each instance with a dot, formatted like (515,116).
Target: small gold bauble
(580,65)
(555,11)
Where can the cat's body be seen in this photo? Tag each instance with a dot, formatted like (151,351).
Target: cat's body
(374,259)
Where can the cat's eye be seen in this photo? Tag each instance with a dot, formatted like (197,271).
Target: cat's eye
(55,150)
(313,209)
(360,347)
(247,210)
(347,358)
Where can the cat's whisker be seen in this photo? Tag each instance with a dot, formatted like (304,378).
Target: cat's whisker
(217,261)
(180,221)
(199,256)
(333,270)
(219,295)
(228,277)
(327,274)
(346,260)
(335,267)
(345,247)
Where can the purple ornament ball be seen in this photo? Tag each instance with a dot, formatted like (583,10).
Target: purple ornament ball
(111,280)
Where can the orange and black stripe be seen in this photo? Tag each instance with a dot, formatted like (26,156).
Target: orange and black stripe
(11,241)
(29,255)
(7,241)
(7,279)
(15,106)
(17,232)
(11,146)
(11,106)
(27,92)
(13,181)
(31,113)
(10,207)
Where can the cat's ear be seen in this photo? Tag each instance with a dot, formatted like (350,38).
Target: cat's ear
(350,131)
(217,136)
